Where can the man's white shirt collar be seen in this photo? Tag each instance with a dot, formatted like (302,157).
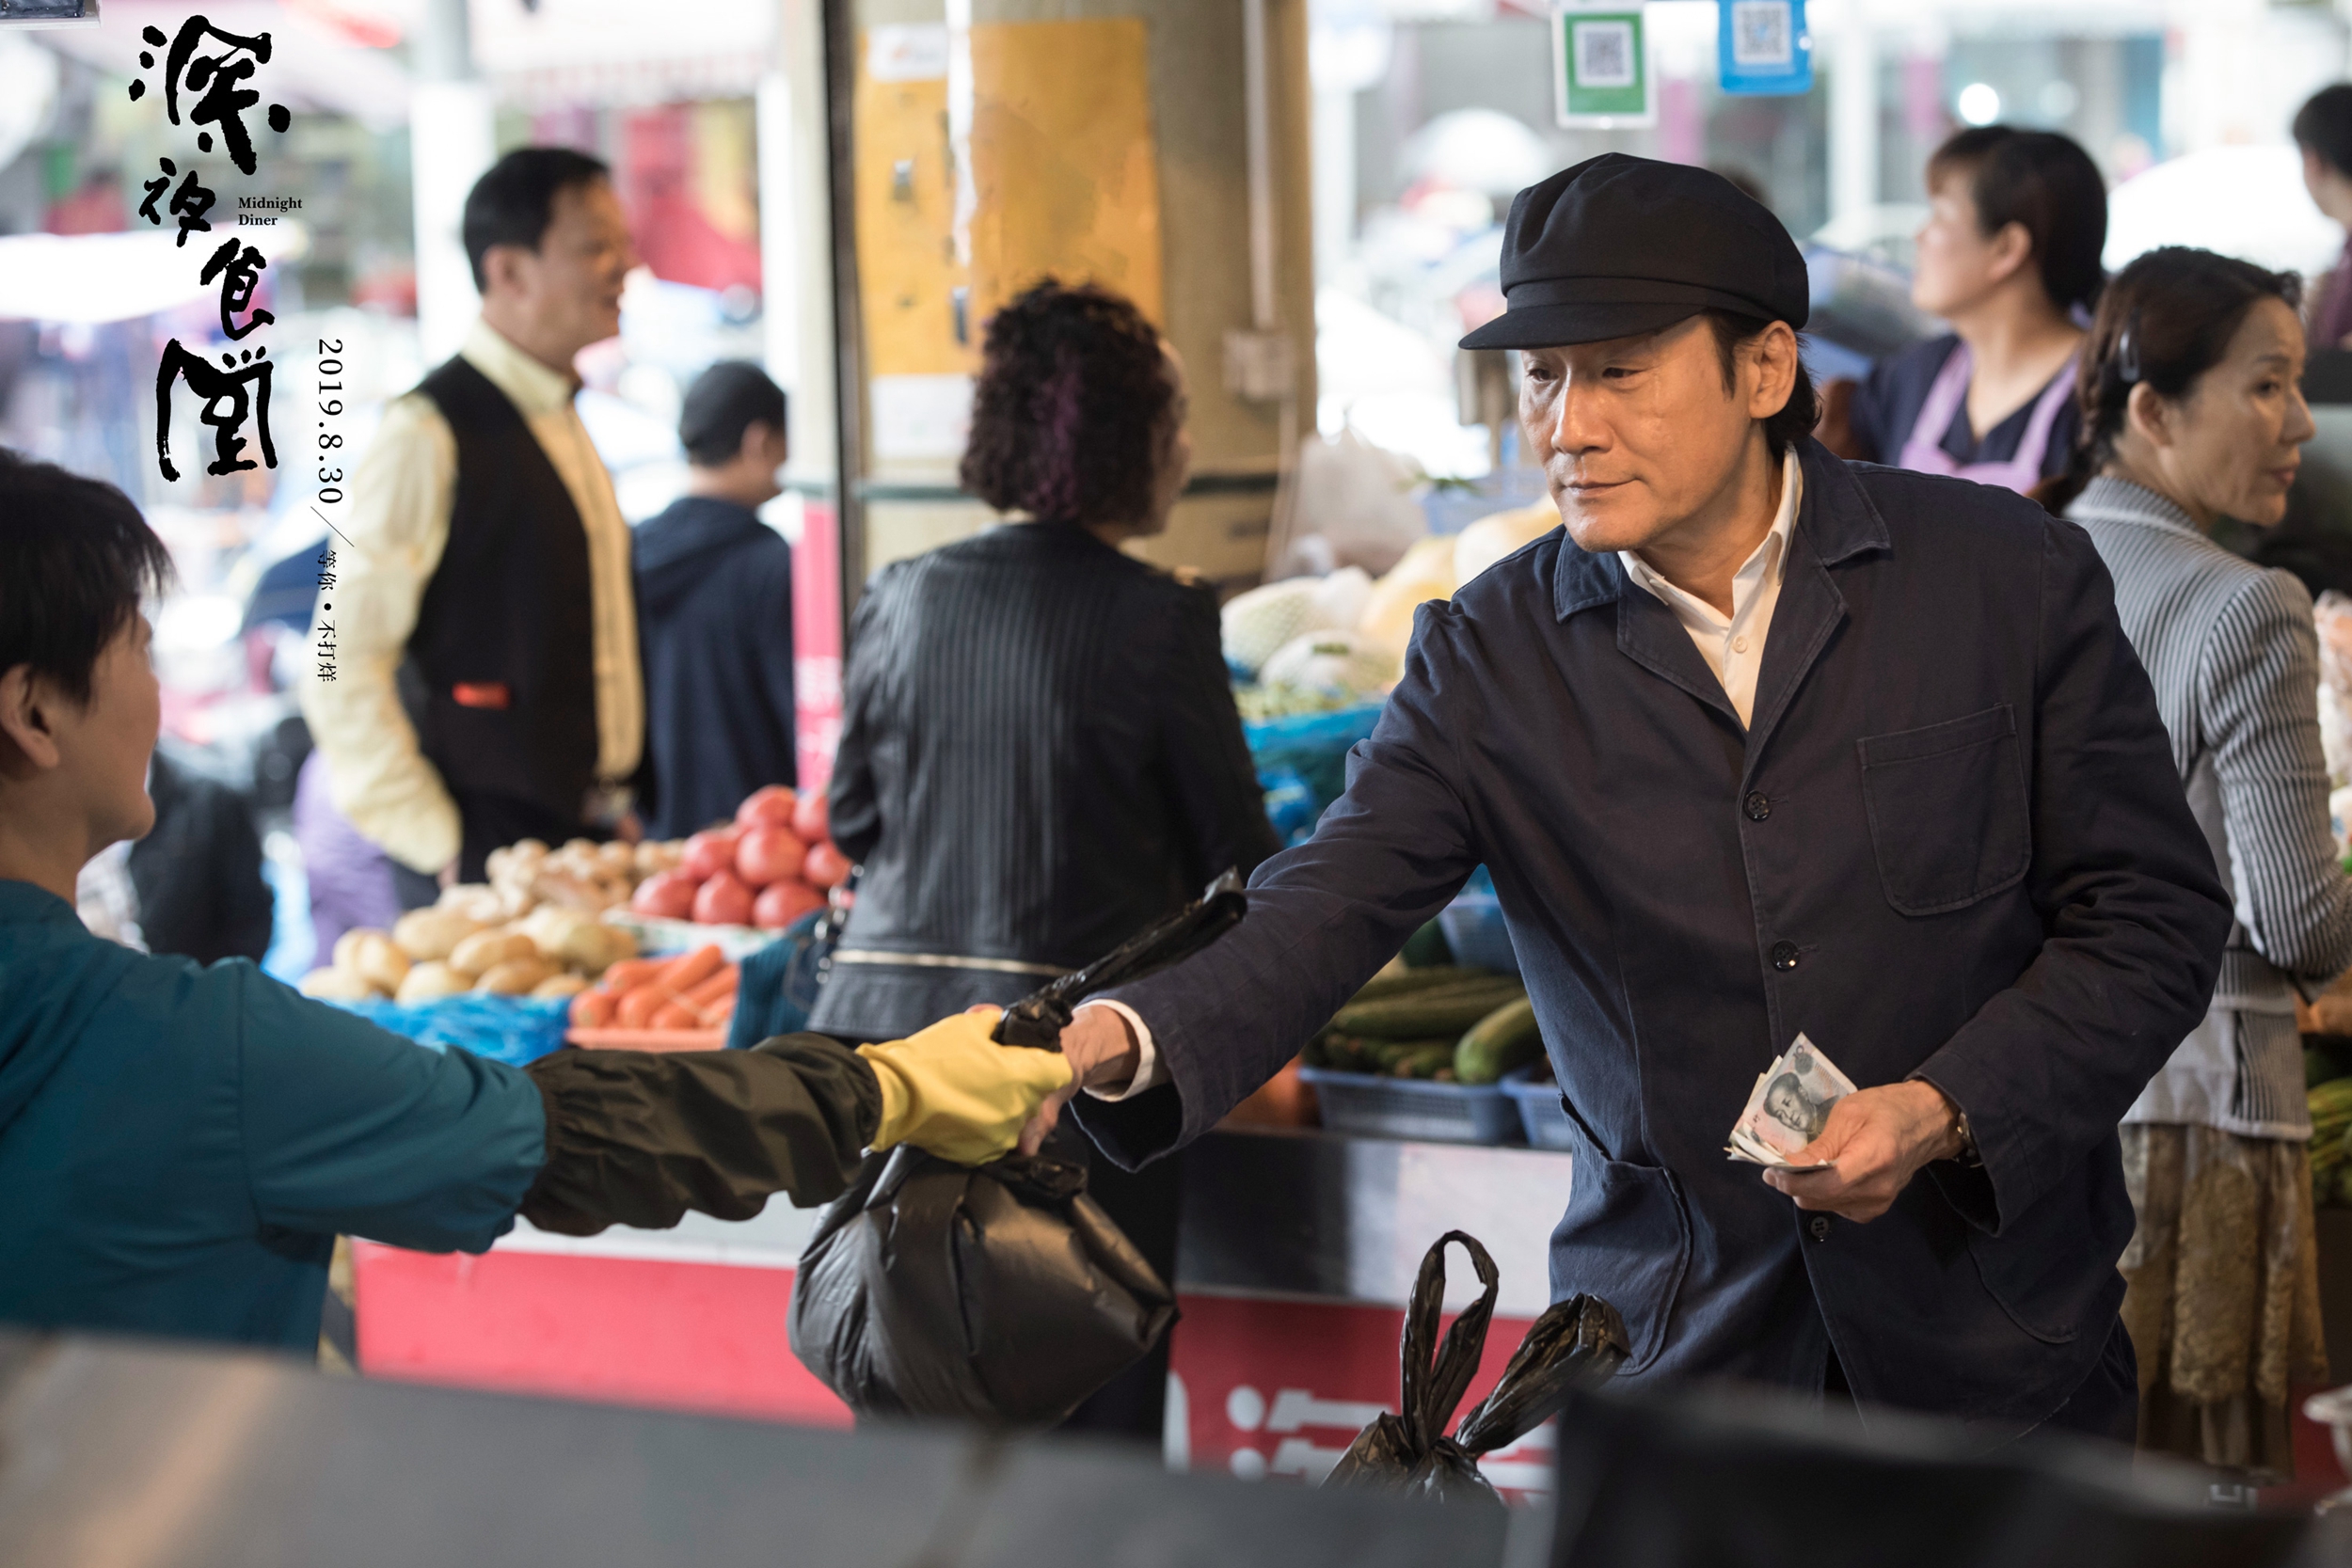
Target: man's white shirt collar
(1733,645)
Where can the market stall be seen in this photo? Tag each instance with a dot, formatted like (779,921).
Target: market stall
(1296,1256)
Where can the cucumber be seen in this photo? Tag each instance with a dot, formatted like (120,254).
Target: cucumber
(1426,948)
(1425,1059)
(1504,1040)
(1422,1015)
(1412,982)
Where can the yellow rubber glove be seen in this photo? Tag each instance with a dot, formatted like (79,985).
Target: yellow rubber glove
(951,1090)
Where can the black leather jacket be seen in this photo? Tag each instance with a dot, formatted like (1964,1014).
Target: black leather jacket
(1039,756)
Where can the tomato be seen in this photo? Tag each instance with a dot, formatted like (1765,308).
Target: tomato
(667,895)
(827,866)
(780,904)
(768,855)
(811,820)
(724,901)
(709,852)
(770,807)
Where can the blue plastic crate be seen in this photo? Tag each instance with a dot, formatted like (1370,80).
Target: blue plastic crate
(1535,1096)
(1474,927)
(1374,1106)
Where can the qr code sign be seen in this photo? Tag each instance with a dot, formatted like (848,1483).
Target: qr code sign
(1760,33)
(1604,54)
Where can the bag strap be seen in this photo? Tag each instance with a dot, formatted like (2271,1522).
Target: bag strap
(1435,1384)
(1038,1020)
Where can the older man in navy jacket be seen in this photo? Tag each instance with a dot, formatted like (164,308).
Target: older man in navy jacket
(1763,742)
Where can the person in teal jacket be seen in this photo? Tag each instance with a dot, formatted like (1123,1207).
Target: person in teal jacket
(179,1145)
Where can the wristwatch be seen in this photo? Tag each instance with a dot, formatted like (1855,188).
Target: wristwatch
(1967,1155)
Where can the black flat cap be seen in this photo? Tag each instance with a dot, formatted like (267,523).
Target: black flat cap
(1617,245)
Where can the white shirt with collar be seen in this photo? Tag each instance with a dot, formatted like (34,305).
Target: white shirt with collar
(391,542)
(1732,646)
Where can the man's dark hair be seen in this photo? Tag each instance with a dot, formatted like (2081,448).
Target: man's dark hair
(1072,400)
(515,201)
(75,559)
(2045,183)
(724,402)
(1800,414)
(2324,125)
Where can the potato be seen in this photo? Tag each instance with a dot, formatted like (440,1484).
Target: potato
(551,926)
(429,982)
(428,934)
(347,953)
(515,977)
(378,960)
(617,857)
(570,889)
(476,901)
(559,985)
(335,985)
(484,951)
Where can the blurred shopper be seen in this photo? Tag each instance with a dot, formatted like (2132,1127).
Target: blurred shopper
(485,684)
(2009,255)
(180,1146)
(2192,412)
(714,611)
(1040,753)
(352,882)
(197,871)
(2322,130)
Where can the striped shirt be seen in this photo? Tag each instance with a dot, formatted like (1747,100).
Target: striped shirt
(2235,657)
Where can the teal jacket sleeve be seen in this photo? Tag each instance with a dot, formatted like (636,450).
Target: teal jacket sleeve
(351,1130)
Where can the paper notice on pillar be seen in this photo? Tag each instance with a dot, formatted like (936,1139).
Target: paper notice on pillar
(907,52)
(918,417)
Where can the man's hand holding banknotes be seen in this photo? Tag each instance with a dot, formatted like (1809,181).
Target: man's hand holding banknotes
(1834,1148)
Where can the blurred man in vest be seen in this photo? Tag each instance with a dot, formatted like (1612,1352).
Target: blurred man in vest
(484,684)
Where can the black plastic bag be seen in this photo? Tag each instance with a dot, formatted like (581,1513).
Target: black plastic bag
(1575,1342)
(998,1294)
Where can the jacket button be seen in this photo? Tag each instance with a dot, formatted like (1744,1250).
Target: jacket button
(1757,807)
(1821,1227)
(1783,955)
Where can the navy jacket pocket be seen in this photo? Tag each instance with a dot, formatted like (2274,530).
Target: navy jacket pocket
(1626,1239)
(1947,811)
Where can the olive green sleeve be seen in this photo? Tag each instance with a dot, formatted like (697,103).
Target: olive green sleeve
(638,1138)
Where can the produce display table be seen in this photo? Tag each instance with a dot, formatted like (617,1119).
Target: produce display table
(1297,1252)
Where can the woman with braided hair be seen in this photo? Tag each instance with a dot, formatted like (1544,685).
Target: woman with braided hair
(2192,411)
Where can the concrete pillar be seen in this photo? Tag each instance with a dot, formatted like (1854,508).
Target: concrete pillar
(452,141)
(1854,117)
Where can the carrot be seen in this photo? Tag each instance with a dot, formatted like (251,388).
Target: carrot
(693,969)
(638,1008)
(592,1009)
(713,1009)
(674,1015)
(630,974)
(720,984)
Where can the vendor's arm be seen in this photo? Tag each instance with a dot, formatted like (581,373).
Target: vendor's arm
(1322,917)
(351,1130)
(637,1138)
(2135,917)
(388,546)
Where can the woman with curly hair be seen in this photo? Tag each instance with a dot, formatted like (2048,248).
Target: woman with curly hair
(1039,753)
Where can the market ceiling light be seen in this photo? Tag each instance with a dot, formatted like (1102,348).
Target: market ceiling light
(1979,104)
